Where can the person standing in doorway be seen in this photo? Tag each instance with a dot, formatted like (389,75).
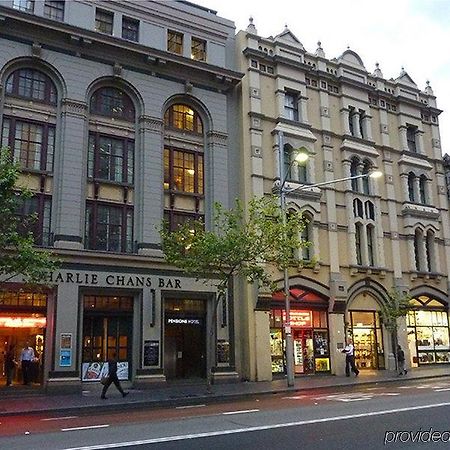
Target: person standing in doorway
(349,351)
(112,378)
(401,361)
(10,364)
(26,359)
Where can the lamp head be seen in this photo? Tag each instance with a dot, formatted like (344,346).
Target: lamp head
(376,174)
(301,155)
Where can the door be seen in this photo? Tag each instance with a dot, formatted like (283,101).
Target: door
(303,351)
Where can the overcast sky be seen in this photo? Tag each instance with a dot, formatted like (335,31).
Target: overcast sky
(414,34)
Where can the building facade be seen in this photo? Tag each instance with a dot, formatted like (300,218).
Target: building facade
(368,238)
(119,114)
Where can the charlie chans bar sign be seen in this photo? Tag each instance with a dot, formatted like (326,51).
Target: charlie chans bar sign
(109,279)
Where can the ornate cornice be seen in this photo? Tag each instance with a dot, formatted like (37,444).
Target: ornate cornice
(149,123)
(217,138)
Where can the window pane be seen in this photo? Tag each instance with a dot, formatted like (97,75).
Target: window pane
(130,29)
(175,42)
(54,9)
(198,49)
(104,21)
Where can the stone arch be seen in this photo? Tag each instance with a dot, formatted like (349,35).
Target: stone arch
(377,292)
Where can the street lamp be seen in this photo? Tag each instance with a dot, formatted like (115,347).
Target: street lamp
(300,157)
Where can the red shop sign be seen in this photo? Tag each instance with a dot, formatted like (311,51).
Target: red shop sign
(300,318)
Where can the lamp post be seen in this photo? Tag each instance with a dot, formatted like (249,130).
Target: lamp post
(289,343)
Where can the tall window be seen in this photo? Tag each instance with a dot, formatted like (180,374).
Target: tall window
(108,227)
(31,84)
(354,171)
(32,144)
(411,133)
(34,216)
(184,118)
(291,106)
(358,242)
(198,49)
(418,250)
(183,167)
(429,247)
(112,102)
(365,238)
(111,159)
(370,245)
(293,170)
(411,188)
(175,42)
(307,236)
(54,9)
(104,21)
(422,189)
(130,29)
(365,180)
(24,5)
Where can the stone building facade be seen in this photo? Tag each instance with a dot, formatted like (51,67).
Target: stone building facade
(119,114)
(368,237)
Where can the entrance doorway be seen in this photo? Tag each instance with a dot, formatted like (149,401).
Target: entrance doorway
(184,338)
(303,351)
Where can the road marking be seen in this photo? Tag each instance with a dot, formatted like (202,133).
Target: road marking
(84,428)
(189,406)
(294,397)
(258,428)
(442,390)
(373,388)
(59,418)
(243,411)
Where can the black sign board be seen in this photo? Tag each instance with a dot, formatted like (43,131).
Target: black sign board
(151,353)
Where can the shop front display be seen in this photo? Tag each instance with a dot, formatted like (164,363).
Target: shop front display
(310,337)
(367,339)
(428,337)
(23,323)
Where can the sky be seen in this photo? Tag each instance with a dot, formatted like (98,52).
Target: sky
(414,34)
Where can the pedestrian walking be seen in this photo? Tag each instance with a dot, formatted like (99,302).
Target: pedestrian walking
(112,378)
(401,361)
(26,359)
(349,351)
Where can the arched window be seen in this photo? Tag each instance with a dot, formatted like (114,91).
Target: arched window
(183,166)
(358,243)
(365,181)
(293,170)
(183,117)
(429,247)
(418,241)
(31,84)
(370,244)
(411,190)
(112,102)
(370,210)
(307,236)
(422,189)
(357,208)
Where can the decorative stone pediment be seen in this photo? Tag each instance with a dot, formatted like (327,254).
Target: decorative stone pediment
(352,58)
(404,78)
(289,37)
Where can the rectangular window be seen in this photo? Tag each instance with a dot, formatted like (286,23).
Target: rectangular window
(198,49)
(104,21)
(370,245)
(109,228)
(183,171)
(174,42)
(32,144)
(411,133)
(111,159)
(130,29)
(34,215)
(54,9)
(291,106)
(24,5)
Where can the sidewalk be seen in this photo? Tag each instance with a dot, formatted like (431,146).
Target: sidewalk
(176,394)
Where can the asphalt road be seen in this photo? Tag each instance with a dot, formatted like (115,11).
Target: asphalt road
(413,414)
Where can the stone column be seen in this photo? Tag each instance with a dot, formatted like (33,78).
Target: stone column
(303,109)
(337,341)
(355,121)
(404,183)
(149,186)
(417,189)
(367,126)
(69,195)
(345,120)
(419,142)
(403,138)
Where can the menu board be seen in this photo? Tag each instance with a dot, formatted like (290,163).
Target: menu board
(94,371)
(151,353)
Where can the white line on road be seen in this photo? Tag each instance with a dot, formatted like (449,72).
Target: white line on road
(189,406)
(59,418)
(242,411)
(251,429)
(442,390)
(84,428)
(294,397)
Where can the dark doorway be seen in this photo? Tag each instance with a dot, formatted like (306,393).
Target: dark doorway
(185,338)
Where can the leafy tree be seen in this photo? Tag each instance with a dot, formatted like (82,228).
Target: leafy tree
(397,305)
(238,244)
(18,256)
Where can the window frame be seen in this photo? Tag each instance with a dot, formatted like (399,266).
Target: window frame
(24,5)
(411,138)
(128,32)
(94,164)
(13,86)
(53,10)
(291,112)
(45,166)
(100,21)
(170,122)
(92,226)
(198,49)
(98,106)
(175,41)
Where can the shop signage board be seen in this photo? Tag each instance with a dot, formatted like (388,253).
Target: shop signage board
(300,318)
(65,351)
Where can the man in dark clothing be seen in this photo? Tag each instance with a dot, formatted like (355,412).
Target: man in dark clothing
(10,364)
(112,378)
(401,361)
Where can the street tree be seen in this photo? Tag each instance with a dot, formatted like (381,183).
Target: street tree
(238,244)
(395,306)
(18,254)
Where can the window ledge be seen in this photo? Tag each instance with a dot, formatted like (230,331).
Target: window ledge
(369,270)
(419,210)
(414,275)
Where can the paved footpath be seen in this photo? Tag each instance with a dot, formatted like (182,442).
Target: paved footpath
(15,401)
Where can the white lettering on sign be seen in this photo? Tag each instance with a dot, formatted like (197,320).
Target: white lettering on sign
(181,321)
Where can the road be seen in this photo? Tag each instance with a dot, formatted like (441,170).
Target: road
(412,414)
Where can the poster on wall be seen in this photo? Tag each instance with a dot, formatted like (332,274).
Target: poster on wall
(151,353)
(65,350)
(223,351)
(94,371)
